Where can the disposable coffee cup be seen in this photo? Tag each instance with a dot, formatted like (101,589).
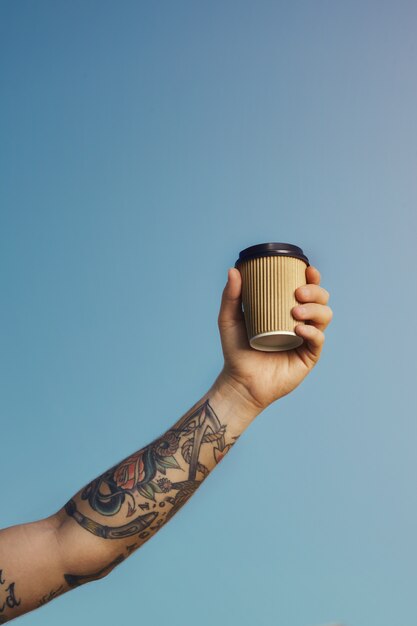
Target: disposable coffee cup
(271,272)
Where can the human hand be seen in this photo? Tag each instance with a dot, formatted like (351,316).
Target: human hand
(263,377)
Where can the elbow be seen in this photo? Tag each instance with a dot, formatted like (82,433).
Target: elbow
(76,580)
(84,558)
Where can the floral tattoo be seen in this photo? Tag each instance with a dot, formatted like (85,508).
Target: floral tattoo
(148,480)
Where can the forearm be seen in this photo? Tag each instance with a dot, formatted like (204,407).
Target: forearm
(120,510)
(124,507)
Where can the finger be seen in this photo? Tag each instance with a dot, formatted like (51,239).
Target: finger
(318,314)
(313,341)
(231,307)
(313,275)
(312,293)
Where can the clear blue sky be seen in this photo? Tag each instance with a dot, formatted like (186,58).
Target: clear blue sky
(143,144)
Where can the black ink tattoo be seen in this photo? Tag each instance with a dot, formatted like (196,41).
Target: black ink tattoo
(75,580)
(142,476)
(8,598)
(51,595)
(108,532)
(131,548)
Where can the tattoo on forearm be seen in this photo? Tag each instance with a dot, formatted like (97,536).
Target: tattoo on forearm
(75,580)
(144,480)
(51,595)
(8,597)
(107,532)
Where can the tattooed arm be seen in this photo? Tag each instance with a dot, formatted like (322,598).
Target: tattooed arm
(121,509)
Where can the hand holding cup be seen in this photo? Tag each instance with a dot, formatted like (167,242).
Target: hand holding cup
(261,377)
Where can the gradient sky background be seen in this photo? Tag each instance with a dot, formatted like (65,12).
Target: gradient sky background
(143,144)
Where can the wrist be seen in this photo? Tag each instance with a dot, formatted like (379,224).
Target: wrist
(231,391)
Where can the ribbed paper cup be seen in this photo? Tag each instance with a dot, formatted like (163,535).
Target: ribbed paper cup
(271,272)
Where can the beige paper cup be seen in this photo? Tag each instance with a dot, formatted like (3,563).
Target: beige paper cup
(271,272)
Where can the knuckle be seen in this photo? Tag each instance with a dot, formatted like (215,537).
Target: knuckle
(319,337)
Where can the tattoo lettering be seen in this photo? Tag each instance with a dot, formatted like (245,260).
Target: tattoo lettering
(140,481)
(8,598)
(75,580)
(51,595)
(131,548)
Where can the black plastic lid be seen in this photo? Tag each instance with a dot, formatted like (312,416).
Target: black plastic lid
(271,249)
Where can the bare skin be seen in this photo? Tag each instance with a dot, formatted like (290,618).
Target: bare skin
(263,377)
(117,512)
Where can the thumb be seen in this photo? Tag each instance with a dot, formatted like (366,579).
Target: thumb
(231,308)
